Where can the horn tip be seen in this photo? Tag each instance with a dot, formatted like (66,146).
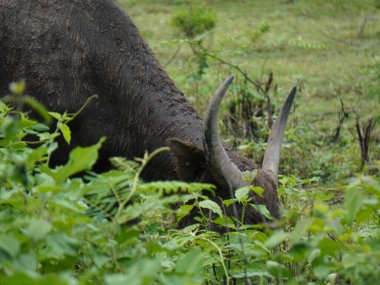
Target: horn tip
(222,90)
(291,95)
(230,79)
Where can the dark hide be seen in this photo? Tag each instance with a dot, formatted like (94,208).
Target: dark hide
(69,50)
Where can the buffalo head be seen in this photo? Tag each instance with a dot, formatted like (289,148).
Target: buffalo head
(213,164)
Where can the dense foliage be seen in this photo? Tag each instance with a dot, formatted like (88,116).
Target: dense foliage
(111,228)
(68,225)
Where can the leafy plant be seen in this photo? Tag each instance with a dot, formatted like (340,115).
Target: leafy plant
(112,228)
(194,22)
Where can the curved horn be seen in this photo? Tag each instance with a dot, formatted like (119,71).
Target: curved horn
(273,149)
(223,169)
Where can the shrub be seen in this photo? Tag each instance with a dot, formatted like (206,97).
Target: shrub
(112,228)
(194,22)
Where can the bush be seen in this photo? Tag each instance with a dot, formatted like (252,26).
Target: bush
(112,228)
(194,22)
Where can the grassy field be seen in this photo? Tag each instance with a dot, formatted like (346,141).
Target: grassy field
(329,49)
(316,44)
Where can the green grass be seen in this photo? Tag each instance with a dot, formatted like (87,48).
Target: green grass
(320,46)
(313,43)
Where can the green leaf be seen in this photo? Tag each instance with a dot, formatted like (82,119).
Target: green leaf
(278,270)
(257,269)
(23,278)
(9,245)
(65,130)
(276,239)
(301,229)
(353,202)
(119,279)
(263,210)
(143,272)
(37,155)
(211,205)
(100,259)
(47,188)
(260,272)
(183,211)
(258,190)
(241,194)
(25,123)
(39,108)
(18,278)
(371,185)
(37,229)
(59,244)
(229,202)
(4,109)
(27,262)
(175,186)
(299,252)
(314,254)
(191,263)
(81,158)
(323,270)
(328,246)
(55,115)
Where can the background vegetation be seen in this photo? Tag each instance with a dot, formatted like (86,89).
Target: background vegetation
(58,228)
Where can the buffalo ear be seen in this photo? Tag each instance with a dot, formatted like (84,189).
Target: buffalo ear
(190,160)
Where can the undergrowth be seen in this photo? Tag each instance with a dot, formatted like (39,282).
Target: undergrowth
(113,228)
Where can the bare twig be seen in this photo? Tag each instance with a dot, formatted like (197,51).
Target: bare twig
(342,116)
(236,67)
(269,103)
(173,56)
(362,25)
(364,135)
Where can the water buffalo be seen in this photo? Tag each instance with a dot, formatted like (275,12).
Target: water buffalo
(69,50)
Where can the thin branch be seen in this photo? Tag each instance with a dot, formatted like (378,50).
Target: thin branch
(173,56)
(364,131)
(342,116)
(269,103)
(236,67)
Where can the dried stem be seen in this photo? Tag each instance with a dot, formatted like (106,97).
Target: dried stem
(364,131)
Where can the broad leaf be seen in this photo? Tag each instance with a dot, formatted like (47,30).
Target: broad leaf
(211,205)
